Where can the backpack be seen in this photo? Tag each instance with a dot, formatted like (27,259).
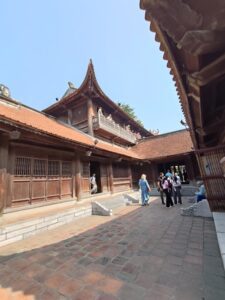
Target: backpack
(170,185)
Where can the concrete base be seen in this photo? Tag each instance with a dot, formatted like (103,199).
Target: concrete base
(20,230)
(200,209)
(130,199)
(219,220)
(101,210)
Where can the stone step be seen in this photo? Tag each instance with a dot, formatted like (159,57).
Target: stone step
(10,233)
(114,203)
(19,225)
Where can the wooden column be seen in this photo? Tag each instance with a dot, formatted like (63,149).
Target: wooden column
(90,116)
(78,178)
(4,178)
(73,178)
(189,167)
(11,167)
(70,116)
(110,174)
(154,173)
(4,151)
(130,176)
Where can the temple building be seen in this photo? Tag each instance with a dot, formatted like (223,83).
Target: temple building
(191,35)
(49,156)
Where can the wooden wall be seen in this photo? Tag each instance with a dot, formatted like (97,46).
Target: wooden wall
(37,179)
(122,180)
(33,174)
(79,117)
(213,176)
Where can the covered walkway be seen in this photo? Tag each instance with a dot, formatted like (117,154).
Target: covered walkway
(138,253)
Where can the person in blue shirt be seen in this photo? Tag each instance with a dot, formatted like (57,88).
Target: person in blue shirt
(168,174)
(145,189)
(201,193)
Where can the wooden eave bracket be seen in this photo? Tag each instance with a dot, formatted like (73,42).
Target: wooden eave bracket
(213,127)
(194,96)
(209,73)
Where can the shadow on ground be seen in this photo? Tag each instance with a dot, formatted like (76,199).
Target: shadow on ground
(148,253)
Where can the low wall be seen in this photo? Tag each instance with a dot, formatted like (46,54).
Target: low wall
(19,231)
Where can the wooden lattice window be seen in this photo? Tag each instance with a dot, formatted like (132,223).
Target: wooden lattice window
(53,168)
(67,168)
(22,166)
(40,167)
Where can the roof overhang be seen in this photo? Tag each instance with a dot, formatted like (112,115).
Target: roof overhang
(192,39)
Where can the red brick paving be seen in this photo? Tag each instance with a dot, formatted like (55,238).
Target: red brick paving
(139,253)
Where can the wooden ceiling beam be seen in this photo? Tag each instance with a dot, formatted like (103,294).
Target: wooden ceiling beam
(195,97)
(209,73)
(211,128)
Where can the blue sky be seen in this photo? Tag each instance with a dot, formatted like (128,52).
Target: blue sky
(45,44)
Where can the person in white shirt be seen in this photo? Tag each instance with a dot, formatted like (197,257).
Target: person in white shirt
(167,188)
(94,187)
(177,189)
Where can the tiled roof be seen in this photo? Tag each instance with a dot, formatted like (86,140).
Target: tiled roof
(29,118)
(90,80)
(170,144)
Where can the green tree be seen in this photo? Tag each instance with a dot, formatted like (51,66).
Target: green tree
(130,111)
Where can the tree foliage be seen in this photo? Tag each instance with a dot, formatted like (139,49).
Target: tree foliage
(130,111)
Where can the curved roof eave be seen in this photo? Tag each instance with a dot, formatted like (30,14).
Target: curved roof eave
(174,71)
(90,83)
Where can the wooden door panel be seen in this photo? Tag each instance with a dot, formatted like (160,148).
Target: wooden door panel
(53,189)
(104,178)
(38,190)
(85,183)
(104,182)
(66,187)
(121,184)
(21,191)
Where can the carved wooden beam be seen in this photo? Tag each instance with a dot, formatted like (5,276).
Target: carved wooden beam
(194,28)
(202,41)
(194,96)
(209,73)
(175,17)
(211,128)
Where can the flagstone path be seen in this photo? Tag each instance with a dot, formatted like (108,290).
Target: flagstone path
(139,253)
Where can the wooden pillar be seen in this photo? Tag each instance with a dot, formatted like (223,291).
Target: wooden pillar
(189,167)
(11,167)
(73,178)
(154,173)
(110,172)
(70,116)
(130,176)
(90,116)
(4,178)
(78,178)
(4,151)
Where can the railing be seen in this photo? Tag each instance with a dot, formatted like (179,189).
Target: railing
(213,176)
(109,125)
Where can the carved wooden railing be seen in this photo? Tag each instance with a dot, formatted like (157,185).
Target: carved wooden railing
(211,167)
(100,121)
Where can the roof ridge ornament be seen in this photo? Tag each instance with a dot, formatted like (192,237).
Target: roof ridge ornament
(71,85)
(4,91)
(90,73)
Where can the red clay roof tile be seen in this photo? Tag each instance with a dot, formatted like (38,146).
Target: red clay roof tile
(170,144)
(38,121)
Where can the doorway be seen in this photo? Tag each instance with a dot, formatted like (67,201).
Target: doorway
(175,167)
(95,169)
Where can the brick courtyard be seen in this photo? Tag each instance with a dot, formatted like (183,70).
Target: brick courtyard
(138,253)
